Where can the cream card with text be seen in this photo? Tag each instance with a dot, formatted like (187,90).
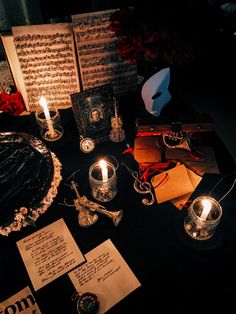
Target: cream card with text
(105,274)
(49,253)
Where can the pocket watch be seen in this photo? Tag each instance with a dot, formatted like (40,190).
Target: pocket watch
(87,144)
(87,303)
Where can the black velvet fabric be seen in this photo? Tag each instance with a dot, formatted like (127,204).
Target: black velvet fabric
(26,175)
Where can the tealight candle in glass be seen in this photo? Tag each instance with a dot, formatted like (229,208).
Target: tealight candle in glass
(103,181)
(48,119)
(203,217)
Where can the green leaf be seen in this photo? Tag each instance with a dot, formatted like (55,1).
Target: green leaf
(30,222)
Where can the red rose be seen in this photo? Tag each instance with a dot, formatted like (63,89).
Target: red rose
(5,102)
(141,39)
(17,104)
(126,47)
(115,26)
(12,104)
(4,97)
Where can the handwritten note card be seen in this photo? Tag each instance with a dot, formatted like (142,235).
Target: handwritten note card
(22,302)
(105,274)
(49,253)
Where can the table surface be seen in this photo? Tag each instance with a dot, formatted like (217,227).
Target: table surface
(175,271)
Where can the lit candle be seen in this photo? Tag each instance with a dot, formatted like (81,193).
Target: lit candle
(206,209)
(44,104)
(103,166)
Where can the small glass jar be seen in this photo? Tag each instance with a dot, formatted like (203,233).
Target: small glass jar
(202,220)
(50,128)
(103,190)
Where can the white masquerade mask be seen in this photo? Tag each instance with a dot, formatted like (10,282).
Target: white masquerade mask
(155,92)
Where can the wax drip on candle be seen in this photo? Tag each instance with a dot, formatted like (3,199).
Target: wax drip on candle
(51,130)
(206,209)
(103,166)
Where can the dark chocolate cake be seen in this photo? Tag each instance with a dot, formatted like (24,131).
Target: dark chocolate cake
(26,173)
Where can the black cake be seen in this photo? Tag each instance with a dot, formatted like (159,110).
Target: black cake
(26,173)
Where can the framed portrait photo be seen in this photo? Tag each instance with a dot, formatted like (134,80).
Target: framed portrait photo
(92,110)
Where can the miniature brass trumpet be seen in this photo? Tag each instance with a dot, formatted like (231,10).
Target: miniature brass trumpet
(88,208)
(115,216)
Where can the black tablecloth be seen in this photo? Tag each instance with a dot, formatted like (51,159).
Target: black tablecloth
(176,272)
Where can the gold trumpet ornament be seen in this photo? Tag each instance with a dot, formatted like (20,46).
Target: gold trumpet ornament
(87,210)
(178,140)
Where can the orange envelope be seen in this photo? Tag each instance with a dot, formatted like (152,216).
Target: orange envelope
(147,149)
(181,200)
(172,183)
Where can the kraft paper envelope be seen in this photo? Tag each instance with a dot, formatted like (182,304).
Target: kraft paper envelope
(172,183)
(181,200)
(205,164)
(147,149)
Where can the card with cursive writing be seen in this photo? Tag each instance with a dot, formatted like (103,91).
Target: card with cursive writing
(21,302)
(49,253)
(103,274)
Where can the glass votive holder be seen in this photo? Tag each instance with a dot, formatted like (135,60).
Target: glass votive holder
(203,217)
(103,185)
(50,127)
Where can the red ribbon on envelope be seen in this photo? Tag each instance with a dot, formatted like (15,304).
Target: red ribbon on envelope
(155,167)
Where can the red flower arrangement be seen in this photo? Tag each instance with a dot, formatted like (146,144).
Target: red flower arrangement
(143,40)
(12,104)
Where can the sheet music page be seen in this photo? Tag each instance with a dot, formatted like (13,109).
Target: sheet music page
(47,59)
(22,302)
(49,253)
(105,274)
(99,62)
(14,64)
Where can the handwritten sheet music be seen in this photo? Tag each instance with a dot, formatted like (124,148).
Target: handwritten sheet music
(49,253)
(22,302)
(105,274)
(47,59)
(99,62)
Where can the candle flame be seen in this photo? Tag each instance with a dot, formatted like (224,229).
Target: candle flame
(43,101)
(103,164)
